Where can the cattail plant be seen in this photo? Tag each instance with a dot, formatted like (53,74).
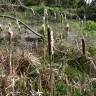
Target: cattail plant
(83,46)
(61,16)
(85,18)
(55,15)
(33,11)
(82,40)
(67,28)
(45,12)
(10,35)
(45,21)
(45,26)
(39,86)
(51,52)
(50,41)
(49,33)
(18,24)
(61,21)
(65,17)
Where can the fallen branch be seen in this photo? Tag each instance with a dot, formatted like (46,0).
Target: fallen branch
(13,18)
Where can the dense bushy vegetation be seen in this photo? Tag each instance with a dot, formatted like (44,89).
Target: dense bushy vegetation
(80,5)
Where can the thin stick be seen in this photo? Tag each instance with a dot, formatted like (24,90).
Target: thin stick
(10,55)
(39,85)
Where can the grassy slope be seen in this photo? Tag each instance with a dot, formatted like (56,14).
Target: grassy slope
(69,81)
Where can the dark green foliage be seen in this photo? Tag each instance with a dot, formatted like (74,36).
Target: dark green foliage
(89,29)
(91,11)
(77,92)
(81,12)
(31,2)
(40,10)
(1,39)
(60,88)
(58,56)
(81,63)
(90,26)
(92,51)
(81,3)
(72,73)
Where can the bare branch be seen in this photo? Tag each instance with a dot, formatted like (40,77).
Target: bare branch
(13,18)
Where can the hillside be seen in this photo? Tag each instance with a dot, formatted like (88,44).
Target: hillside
(46,51)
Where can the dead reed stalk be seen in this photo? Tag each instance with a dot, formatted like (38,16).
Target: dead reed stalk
(10,35)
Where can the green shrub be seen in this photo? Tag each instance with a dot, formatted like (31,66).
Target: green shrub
(92,51)
(61,88)
(90,29)
(90,26)
(77,92)
(72,72)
